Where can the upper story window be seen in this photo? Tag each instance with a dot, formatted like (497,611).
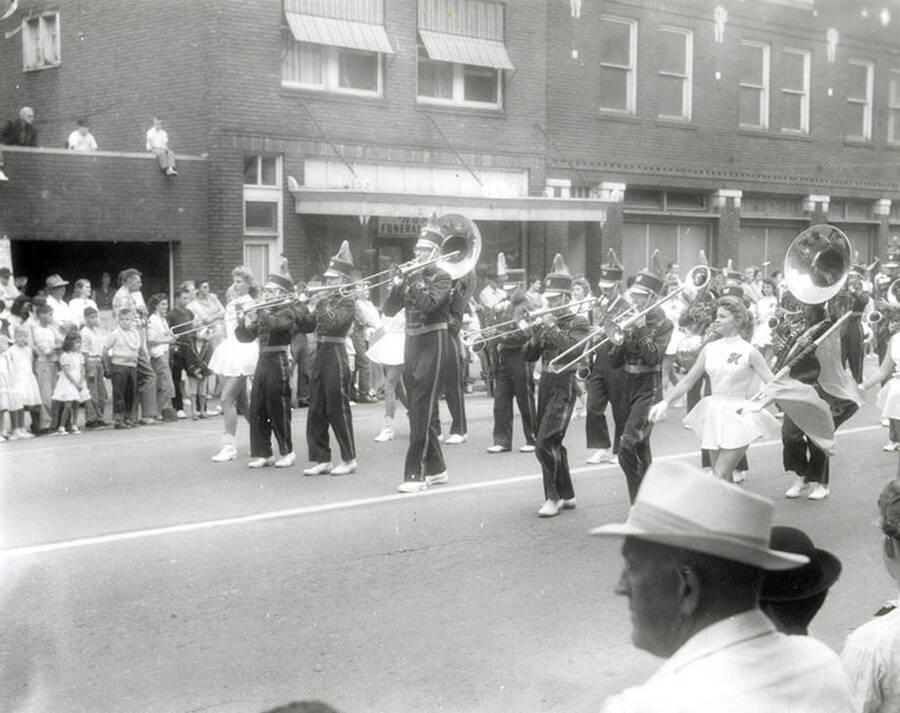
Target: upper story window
(795,91)
(261,171)
(618,59)
(40,41)
(461,53)
(859,99)
(894,107)
(336,46)
(754,79)
(675,73)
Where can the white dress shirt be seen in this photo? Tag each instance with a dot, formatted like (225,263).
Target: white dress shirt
(77,142)
(61,312)
(742,665)
(77,306)
(871,657)
(157,139)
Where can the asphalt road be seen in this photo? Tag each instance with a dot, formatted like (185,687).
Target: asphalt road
(138,575)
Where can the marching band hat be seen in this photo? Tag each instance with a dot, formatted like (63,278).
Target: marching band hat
(731,274)
(822,570)
(733,291)
(341,264)
(279,282)
(430,236)
(559,279)
(611,271)
(649,281)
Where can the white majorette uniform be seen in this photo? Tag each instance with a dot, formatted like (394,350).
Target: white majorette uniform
(715,419)
(231,357)
(389,349)
(889,395)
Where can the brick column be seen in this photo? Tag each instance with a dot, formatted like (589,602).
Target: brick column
(613,194)
(881,211)
(728,239)
(534,261)
(557,241)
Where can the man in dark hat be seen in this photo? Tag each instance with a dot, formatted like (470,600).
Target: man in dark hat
(330,378)
(270,400)
(549,336)
(640,356)
(602,381)
(425,294)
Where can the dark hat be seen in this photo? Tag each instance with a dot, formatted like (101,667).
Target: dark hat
(733,291)
(341,264)
(650,279)
(430,236)
(818,575)
(559,279)
(280,282)
(611,271)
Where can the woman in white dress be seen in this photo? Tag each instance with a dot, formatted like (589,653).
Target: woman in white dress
(234,361)
(389,352)
(889,396)
(733,366)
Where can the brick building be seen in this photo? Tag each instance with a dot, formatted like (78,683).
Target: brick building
(557,126)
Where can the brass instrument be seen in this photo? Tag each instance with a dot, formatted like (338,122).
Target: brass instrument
(477,337)
(817,264)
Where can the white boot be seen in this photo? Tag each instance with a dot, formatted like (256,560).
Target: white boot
(387,432)
(228,451)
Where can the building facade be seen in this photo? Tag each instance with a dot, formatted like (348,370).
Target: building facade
(557,125)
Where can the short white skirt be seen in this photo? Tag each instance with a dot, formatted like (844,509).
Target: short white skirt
(234,358)
(717,424)
(389,350)
(889,399)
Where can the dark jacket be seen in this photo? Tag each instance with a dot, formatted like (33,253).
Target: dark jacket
(273,328)
(646,345)
(426,299)
(16,132)
(333,317)
(547,342)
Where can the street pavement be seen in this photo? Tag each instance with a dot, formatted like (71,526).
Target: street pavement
(137,575)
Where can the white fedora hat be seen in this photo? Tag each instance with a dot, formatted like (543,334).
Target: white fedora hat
(680,506)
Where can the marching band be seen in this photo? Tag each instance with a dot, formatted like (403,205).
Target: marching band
(744,355)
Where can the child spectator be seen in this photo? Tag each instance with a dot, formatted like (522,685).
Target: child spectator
(23,386)
(92,348)
(4,386)
(121,349)
(70,389)
(47,339)
(82,139)
(158,145)
(81,300)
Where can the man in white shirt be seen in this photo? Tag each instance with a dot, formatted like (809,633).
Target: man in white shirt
(871,654)
(62,315)
(695,550)
(82,139)
(158,145)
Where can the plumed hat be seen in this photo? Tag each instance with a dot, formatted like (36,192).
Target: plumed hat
(282,281)
(650,279)
(731,274)
(559,279)
(341,264)
(611,271)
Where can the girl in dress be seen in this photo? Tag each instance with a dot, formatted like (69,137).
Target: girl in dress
(234,362)
(389,352)
(71,387)
(23,386)
(4,385)
(733,365)
(889,396)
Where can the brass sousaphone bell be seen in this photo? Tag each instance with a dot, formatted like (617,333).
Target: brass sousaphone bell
(817,264)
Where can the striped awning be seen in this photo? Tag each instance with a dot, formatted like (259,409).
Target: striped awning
(444,47)
(339,32)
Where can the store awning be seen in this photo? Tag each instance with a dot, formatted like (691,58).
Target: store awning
(444,47)
(338,201)
(339,32)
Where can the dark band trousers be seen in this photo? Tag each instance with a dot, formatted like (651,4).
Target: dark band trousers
(800,454)
(270,405)
(514,378)
(853,348)
(639,393)
(556,401)
(601,386)
(329,404)
(453,375)
(425,357)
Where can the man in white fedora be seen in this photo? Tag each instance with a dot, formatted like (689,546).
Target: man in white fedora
(695,551)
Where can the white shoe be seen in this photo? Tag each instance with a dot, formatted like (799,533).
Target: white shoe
(885,422)
(527,448)
(412,486)
(602,455)
(550,508)
(796,490)
(890,446)
(75,431)
(60,432)
(180,413)
(496,449)
(261,462)
(437,479)
(455,439)
(12,436)
(3,176)
(387,434)
(568,504)
(739,476)
(210,412)
(286,461)
(440,438)
(318,469)
(345,468)
(227,453)
(22,433)
(819,492)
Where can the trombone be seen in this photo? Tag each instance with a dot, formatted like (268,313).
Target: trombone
(476,336)
(554,364)
(699,277)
